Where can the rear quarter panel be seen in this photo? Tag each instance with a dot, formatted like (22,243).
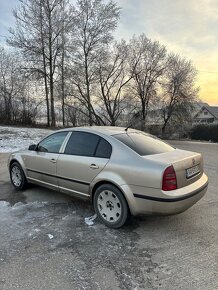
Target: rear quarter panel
(126,167)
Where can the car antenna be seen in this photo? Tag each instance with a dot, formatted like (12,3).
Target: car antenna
(126,129)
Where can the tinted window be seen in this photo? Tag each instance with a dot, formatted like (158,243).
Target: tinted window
(52,143)
(82,143)
(104,149)
(144,144)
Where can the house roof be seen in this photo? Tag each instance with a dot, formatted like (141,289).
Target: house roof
(213,110)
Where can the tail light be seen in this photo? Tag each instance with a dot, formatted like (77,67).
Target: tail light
(169,181)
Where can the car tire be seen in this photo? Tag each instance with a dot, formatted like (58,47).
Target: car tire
(110,206)
(18,178)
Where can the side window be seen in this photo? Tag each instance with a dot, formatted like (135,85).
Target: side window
(82,143)
(52,143)
(104,149)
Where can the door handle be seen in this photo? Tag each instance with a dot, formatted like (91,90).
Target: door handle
(94,166)
(53,160)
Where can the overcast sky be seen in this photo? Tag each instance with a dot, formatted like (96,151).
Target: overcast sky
(189,27)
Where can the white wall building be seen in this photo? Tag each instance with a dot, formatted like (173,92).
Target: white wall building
(207,115)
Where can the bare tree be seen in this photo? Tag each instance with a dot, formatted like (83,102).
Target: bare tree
(75,116)
(94,22)
(179,90)
(147,64)
(112,79)
(62,86)
(38,34)
(7,78)
(16,103)
(69,51)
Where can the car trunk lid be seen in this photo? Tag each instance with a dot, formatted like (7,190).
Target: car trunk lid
(188,165)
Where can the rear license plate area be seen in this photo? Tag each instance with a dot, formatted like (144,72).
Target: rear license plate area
(192,171)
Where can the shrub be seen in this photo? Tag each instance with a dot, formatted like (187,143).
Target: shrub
(205,132)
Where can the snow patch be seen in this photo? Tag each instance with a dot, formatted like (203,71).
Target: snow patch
(4,204)
(14,139)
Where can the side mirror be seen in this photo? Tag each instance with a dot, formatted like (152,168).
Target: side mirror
(32,147)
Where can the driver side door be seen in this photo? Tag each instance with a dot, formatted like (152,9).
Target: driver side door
(41,163)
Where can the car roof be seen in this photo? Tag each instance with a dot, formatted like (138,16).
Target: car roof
(106,130)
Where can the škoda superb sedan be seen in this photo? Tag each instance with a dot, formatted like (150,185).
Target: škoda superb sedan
(122,171)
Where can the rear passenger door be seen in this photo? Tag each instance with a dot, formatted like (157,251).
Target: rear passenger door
(85,156)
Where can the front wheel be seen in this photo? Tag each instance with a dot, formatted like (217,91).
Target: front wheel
(17,176)
(111,206)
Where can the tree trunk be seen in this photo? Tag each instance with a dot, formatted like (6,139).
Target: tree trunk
(47,100)
(88,92)
(51,79)
(62,64)
(62,87)
(164,126)
(163,129)
(63,111)
(143,117)
(45,71)
(8,112)
(53,123)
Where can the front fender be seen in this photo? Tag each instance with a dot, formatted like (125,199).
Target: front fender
(17,157)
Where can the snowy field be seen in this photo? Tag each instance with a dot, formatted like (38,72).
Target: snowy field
(14,138)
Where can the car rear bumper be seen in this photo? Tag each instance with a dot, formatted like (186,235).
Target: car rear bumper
(155,201)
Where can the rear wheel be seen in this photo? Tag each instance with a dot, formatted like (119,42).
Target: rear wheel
(17,176)
(111,206)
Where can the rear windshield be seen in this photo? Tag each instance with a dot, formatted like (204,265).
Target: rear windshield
(144,144)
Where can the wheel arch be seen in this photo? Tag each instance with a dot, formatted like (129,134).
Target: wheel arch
(13,160)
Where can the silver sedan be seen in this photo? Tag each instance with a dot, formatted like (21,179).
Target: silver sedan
(122,171)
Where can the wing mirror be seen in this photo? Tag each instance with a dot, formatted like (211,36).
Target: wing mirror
(32,147)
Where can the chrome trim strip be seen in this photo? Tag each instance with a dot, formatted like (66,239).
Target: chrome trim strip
(74,191)
(59,187)
(37,180)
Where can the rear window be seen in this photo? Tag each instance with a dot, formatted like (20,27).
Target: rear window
(144,144)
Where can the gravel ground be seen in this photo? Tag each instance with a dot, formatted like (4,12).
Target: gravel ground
(45,243)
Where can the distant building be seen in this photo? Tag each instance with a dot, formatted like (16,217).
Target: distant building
(206,115)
